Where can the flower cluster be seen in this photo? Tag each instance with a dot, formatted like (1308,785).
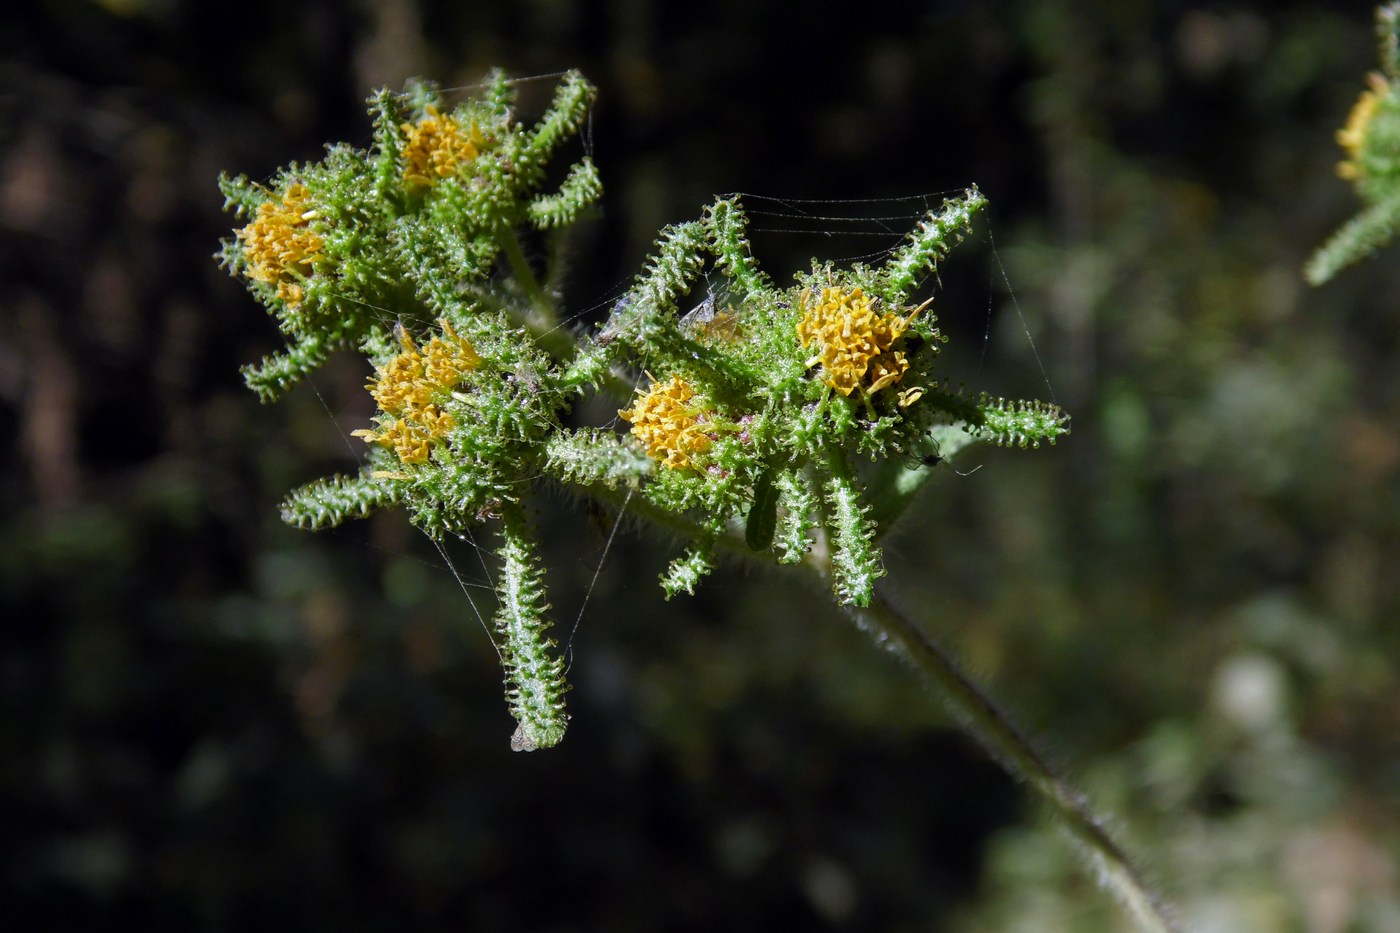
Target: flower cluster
(785,473)
(767,395)
(438,145)
(1352,136)
(854,341)
(671,422)
(415,226)
(410,390)
(280,245)
(358,250)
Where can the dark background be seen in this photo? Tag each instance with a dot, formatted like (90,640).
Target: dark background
(211,721)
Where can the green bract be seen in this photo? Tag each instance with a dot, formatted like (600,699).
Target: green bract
(792,421)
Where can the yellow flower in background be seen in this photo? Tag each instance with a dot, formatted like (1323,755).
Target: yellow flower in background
(671,422)
(1353,136)
(437,146)
(279,244)
(853,339)
(411,388)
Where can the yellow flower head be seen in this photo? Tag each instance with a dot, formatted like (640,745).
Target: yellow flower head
(853,340)
(671,422)
(279,244)
(1353,136)
(437,146)
(410,389)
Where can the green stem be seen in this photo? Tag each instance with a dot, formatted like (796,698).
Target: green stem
(534,675)
(673,523)
(994,729)
(979,716)
(543,308)
(542,321)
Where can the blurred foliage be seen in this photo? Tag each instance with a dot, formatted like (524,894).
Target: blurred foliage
(210,719)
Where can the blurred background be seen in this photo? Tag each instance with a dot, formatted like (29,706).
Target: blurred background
(211,721)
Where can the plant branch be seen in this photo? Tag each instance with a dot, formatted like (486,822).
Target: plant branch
(544,315)
(675,523)
(542,320)
(999,735)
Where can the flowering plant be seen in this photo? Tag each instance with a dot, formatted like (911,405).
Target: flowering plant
(784,422)
(759,402)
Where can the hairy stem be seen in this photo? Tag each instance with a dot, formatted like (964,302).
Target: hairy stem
(675,523)
(543,319)
(979,715)
(534,675)
(525,276)
(982,718)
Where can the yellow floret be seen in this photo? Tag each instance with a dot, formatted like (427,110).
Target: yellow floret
(410,389)
(853,340)
(1353,136)
(437,146)
(279,245)
(671,422)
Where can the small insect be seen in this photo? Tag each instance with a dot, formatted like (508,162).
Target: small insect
(932,460)
(707,323)
(615,322)
(703,313)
